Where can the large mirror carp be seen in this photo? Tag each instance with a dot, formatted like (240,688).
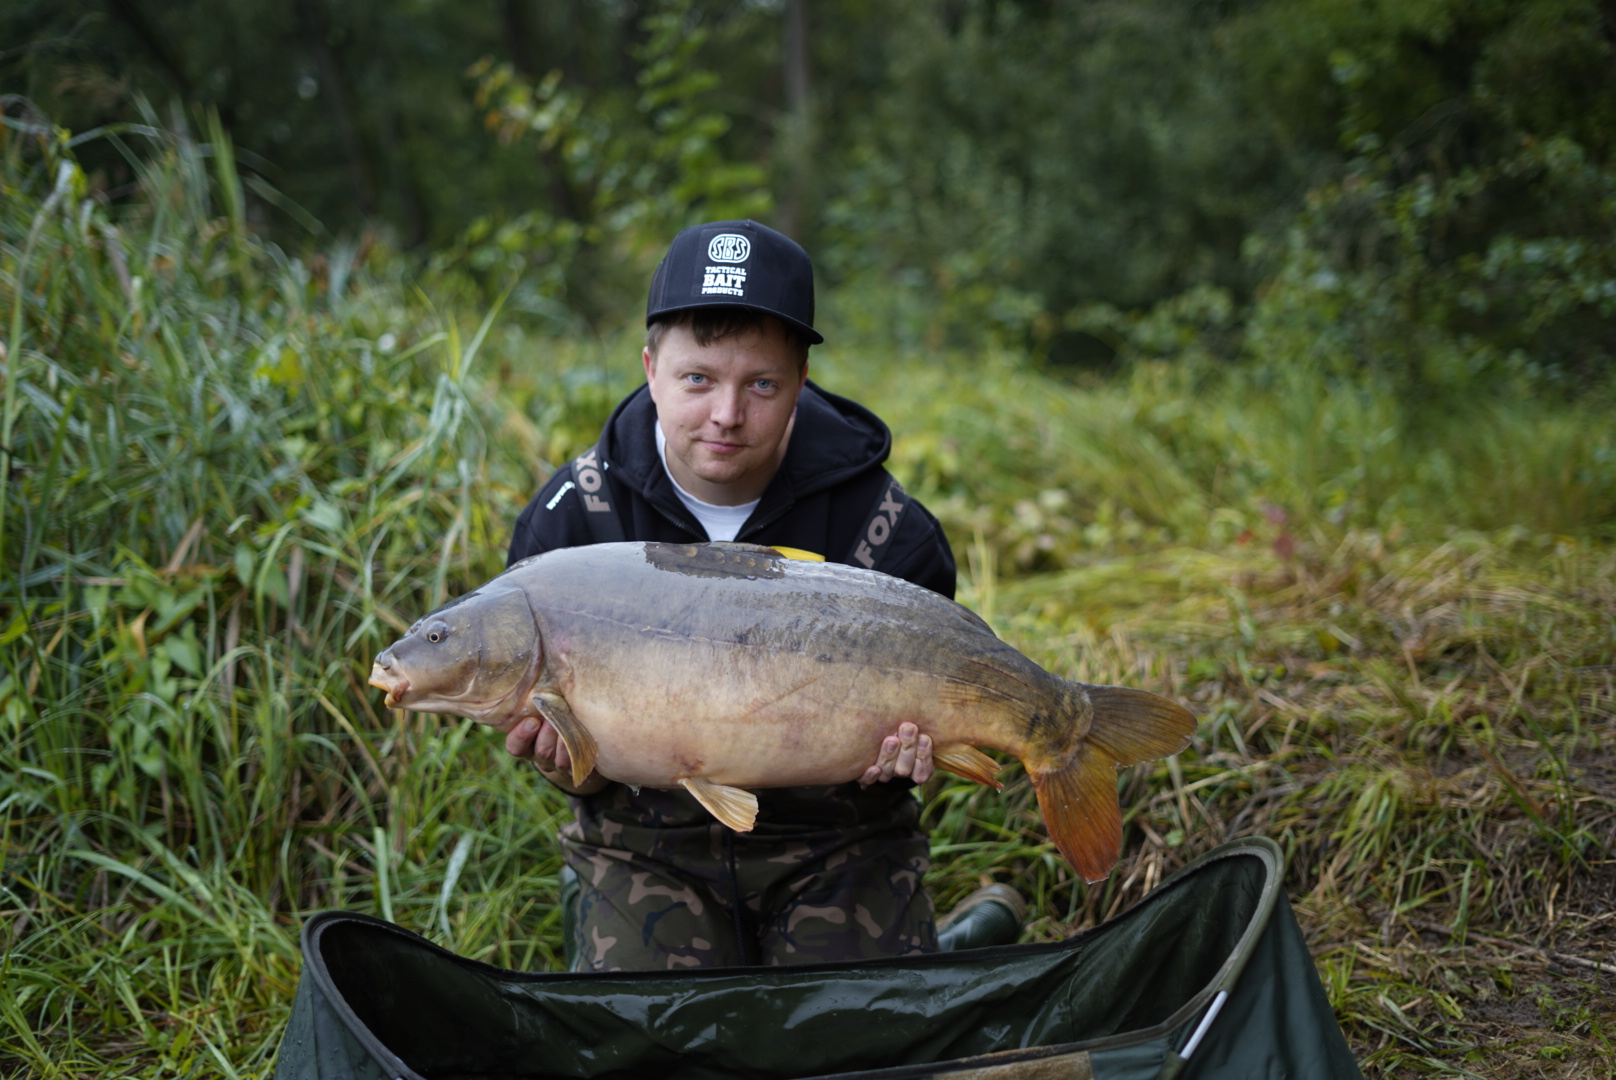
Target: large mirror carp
(723,667)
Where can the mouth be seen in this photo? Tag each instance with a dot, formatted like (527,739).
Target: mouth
(395,685)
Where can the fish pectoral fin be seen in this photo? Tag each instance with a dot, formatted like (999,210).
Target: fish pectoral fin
(581,745)
(734,806)
(963,759)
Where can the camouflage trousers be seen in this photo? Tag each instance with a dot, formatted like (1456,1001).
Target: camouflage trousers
(826,874)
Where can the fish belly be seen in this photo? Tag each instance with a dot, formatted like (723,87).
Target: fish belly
(763,721)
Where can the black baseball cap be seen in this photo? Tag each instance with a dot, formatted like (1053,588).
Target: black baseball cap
(736,264)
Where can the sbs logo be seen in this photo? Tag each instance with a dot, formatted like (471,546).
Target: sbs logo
(729,248)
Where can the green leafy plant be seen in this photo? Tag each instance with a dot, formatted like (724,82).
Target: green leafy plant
(630,174)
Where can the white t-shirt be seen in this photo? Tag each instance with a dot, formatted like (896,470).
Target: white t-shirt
(721,522)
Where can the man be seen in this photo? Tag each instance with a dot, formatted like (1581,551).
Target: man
(728,440)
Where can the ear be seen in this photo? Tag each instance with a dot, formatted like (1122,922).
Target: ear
(802,382)
(649,361)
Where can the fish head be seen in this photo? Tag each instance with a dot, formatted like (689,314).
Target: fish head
(475,657)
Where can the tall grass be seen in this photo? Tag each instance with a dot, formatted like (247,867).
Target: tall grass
(1425,727)
(229,475)
(232,475)
(1200,453)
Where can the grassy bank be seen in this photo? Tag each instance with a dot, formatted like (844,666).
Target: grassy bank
(234,475)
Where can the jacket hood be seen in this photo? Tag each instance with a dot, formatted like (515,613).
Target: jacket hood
(833,440)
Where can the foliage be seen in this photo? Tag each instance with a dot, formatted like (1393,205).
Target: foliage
(1018,161)
(1199,453)
(1425,727)
(1425,191)
(1421,190)
(630,179)
(227,474)
(1470,235)
(231,476)
(358,111)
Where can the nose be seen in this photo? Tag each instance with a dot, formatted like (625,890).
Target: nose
(382,675)
(729,407)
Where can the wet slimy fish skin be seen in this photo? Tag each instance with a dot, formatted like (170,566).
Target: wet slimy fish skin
(728,667)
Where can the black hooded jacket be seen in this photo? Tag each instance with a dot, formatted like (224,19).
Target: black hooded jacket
(820,499)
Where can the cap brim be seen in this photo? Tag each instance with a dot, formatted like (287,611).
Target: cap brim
(814,336)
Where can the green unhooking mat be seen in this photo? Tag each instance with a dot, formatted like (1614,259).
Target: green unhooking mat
(1207,977)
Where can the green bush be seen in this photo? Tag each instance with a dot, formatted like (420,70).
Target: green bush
(1470,237)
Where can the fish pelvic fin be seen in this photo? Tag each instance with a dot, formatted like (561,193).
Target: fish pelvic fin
(1136,725)
(963,759)
(1079,804)
(735,807)
(581,745)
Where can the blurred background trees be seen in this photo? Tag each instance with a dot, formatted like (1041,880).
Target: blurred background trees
(1424,189)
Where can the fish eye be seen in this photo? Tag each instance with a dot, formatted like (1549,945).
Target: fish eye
(437,632)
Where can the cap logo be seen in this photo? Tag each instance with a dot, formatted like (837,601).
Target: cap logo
(729,248)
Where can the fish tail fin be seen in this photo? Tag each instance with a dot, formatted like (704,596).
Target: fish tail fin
(1136,725)
(1079,804)
(963,759)
(1078,797)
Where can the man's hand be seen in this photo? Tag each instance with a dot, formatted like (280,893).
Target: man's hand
(908,753)
(537,741)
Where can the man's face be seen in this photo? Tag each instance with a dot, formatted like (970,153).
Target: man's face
(726,409)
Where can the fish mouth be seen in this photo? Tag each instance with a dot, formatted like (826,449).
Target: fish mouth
(396,685)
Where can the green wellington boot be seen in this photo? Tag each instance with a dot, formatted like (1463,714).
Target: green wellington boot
(992,915)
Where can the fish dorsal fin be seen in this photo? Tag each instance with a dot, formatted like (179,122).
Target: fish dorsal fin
(750,561)
(963,759)
(755,549)
(733,806)
(581,746)
(797,553)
